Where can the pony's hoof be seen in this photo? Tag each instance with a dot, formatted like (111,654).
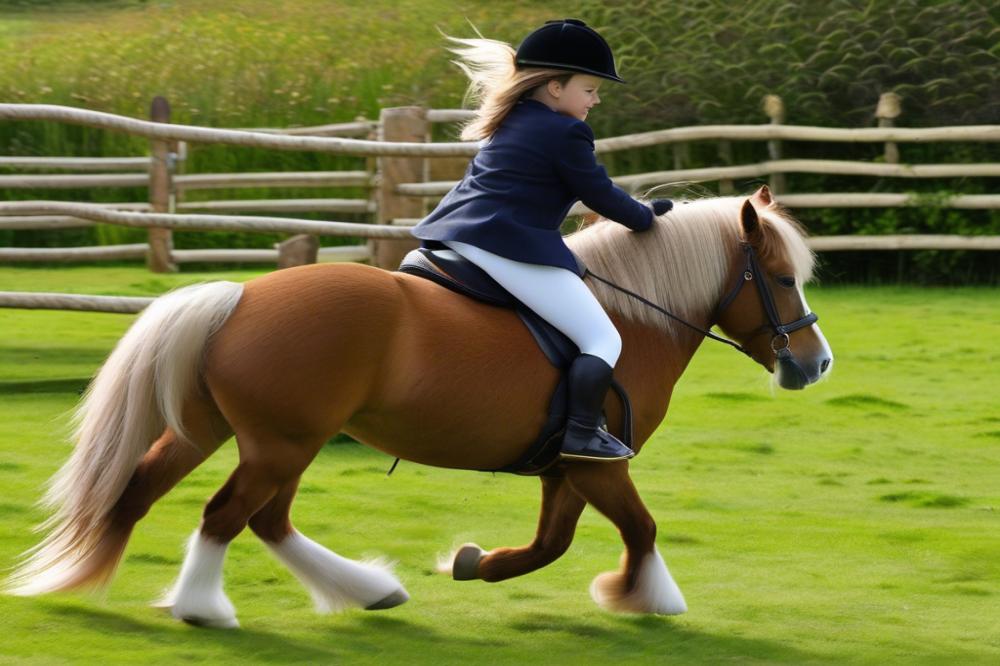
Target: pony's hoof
(465,566)
(217,615)
(397,598)
(654,590)
(211,622)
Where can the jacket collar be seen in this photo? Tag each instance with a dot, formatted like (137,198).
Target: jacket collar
(534,103)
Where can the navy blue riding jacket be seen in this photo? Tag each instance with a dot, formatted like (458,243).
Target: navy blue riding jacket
(519,187)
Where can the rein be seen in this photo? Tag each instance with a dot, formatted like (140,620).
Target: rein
(752,268)
(707,334)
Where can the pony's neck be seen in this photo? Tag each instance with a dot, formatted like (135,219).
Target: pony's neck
(682,263)
(650,364)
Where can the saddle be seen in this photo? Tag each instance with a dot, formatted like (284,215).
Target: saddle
(449,269)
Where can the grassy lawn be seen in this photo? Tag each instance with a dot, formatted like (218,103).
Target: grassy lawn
(855,521)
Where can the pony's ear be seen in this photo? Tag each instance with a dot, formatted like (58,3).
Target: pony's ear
(762,197)
(748,220)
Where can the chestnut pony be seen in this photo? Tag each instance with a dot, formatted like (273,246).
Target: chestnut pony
(289,359)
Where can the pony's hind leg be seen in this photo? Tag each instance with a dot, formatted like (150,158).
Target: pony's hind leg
(561,509)
(645,584)
(333,582)
(169,460)
(265,466)
(268,472)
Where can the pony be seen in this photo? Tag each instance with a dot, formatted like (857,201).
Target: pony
(287,360)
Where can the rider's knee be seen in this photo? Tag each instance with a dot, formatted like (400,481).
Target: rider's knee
(608,347)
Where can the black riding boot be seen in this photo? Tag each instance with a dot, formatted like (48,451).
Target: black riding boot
(589,380)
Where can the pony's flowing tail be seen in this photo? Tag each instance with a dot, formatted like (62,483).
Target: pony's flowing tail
(138,392)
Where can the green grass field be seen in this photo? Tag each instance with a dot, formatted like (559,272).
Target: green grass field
(855,521)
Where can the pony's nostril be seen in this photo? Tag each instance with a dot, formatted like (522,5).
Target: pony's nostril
(824,365)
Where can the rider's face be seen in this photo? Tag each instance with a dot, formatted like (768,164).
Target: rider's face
(578,95)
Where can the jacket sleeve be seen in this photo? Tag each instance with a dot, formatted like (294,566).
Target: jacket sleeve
(578,167)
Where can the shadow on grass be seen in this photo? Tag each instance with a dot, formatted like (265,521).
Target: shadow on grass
(663,638)
(350,636)
(71,385)
(45,355)
(248,643)
(355,634)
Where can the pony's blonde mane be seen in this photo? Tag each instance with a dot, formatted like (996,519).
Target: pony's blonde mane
(681,263)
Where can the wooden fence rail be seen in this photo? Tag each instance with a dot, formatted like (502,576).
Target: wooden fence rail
(165,131)
(397,145)
(201,181)
(969,133)
(92,253)
(887,200)
(748,171)
(50,301)
(906,242)
(139,250)
(207,222)
(77,163)
(211,181)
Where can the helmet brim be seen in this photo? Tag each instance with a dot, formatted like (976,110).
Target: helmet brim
(569,68)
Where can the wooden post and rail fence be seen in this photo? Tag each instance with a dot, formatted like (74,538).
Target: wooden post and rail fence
(400,164)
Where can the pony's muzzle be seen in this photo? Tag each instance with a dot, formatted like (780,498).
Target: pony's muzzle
(795,374)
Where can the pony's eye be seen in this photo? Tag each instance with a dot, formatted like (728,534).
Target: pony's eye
(786,281)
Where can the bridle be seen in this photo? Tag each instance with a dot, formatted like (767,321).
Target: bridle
(751,270)
(779,341)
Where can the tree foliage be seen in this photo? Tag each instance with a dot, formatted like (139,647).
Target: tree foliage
(704,61)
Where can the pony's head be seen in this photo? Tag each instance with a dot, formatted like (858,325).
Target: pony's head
(696,260)
(765,309)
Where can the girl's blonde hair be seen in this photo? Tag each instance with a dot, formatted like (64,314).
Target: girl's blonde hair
(495,82)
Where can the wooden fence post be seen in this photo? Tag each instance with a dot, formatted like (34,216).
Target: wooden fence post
(889,107)
(775,110)
(298,250)
(403,123)
(161,241)
(726,157)
(682,154)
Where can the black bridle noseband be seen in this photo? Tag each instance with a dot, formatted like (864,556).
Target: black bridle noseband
(752,269)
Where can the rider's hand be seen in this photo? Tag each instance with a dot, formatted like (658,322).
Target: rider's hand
(661,206)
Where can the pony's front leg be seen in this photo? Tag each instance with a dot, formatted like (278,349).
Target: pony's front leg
(645,584)
(561,508)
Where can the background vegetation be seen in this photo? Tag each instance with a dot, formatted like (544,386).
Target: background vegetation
(853,522)
(701,62)
(251,63)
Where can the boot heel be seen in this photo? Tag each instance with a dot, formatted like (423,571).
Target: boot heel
(586,435)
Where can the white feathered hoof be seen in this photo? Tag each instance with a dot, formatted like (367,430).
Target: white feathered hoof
(199,617)
(655,590)
(465,562)
(197,596)
(208,611)
(397,598)
(336,583)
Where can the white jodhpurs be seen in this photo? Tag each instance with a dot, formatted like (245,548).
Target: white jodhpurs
(556,295)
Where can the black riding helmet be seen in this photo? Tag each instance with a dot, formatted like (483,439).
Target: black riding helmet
(571,45)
